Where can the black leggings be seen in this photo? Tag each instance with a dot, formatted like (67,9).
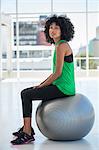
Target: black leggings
(45,93)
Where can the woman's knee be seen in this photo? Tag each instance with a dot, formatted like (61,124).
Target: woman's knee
(24,93)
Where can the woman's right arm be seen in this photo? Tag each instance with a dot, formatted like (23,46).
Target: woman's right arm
(37,86)
(45,79)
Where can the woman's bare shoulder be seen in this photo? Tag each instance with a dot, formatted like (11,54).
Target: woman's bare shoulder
(65,47)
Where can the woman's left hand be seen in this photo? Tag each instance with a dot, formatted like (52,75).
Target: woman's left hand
(38,86)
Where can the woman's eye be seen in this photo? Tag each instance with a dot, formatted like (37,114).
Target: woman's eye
(56,27)
(51,27)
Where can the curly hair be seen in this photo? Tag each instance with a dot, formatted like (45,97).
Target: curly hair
(67,28)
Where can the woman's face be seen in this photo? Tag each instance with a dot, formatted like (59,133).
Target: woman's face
(54,31)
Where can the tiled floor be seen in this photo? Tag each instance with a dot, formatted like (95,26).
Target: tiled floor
(11,118)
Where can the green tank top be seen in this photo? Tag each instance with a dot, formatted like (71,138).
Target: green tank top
(66,82)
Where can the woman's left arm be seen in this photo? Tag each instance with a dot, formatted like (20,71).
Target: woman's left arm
(60,52)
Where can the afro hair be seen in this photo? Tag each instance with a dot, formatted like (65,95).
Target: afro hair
(67,28)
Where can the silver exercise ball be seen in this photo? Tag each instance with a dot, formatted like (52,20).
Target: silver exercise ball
(69,118)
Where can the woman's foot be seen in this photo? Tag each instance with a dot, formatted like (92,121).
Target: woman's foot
(23,138)
(21,130)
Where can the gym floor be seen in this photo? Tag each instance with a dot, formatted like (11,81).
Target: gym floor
(11,117)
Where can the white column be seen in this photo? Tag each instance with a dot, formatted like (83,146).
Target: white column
(0,46)
(51,7)
(9,50)
(87,52)
(17,40)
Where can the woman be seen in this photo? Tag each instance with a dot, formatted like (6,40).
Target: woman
(58,30)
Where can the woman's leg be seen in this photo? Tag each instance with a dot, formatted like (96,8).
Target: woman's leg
(45,93)
(29,94)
